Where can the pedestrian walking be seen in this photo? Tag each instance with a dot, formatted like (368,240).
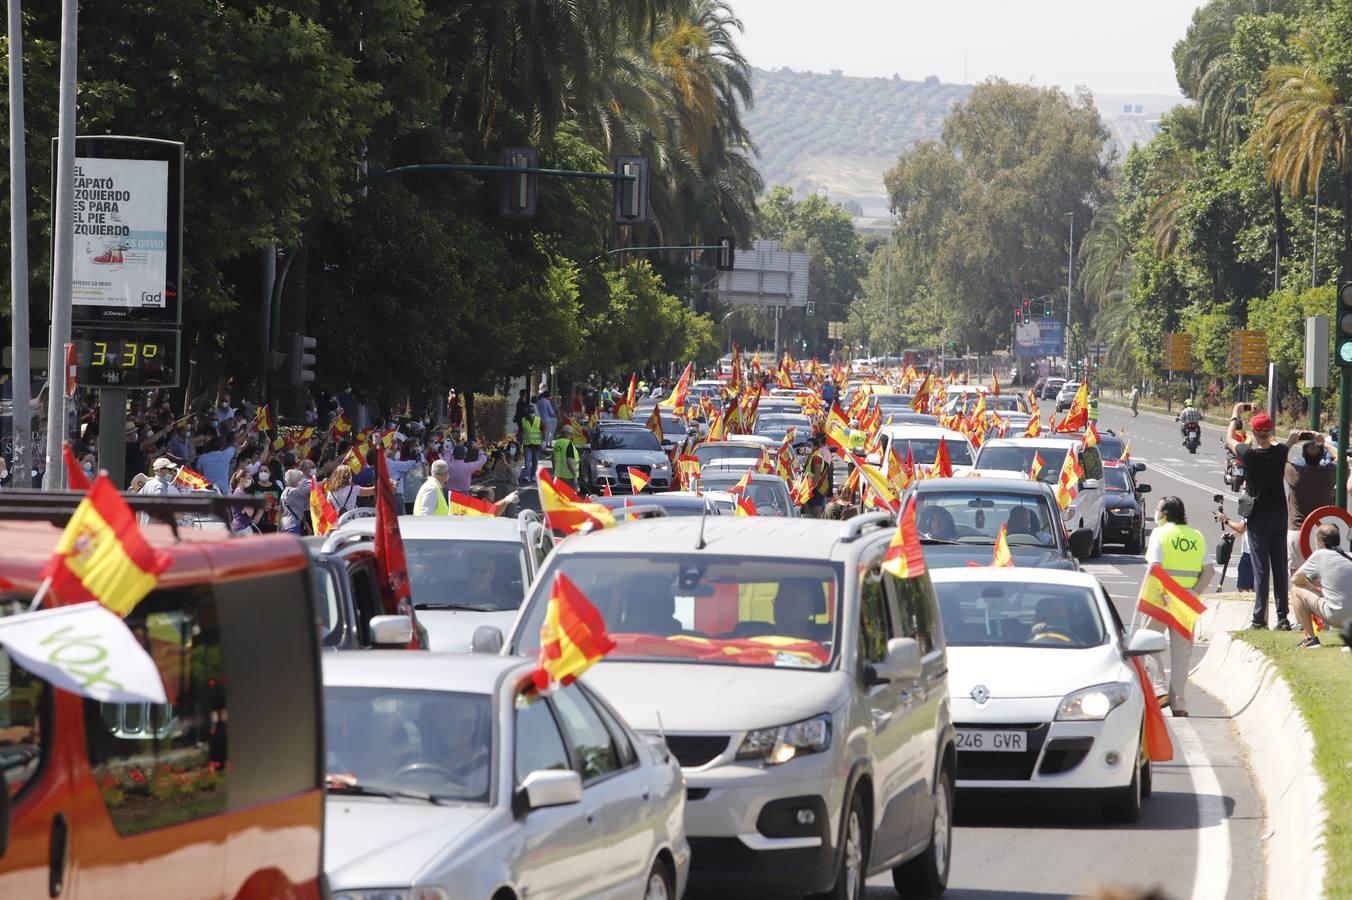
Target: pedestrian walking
(1263,507)
(532,437)
(1135,398)
(1322,585)
(1180,550)
(566,457)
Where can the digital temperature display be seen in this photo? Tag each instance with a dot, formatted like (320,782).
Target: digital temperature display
(117,358)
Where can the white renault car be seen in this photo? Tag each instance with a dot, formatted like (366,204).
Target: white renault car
(450,778)
(1013,458)
(1045,696)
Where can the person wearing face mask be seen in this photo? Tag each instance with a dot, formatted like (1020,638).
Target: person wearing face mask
(266,486)
(506,468)
(1180,550)
(162,482)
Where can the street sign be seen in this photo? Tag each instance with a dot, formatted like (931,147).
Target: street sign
(765,276)
(1324,515)
(1177,352)
(1098,351)
(835,330)
(1248,352)
(1317,352)
(1040,337)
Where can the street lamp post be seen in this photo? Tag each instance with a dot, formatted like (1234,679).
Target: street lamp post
(1070,284)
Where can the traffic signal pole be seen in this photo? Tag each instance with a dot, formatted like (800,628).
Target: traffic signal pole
(1342,351)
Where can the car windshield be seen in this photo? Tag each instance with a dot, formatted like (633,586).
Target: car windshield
(975,517)
(727,455)
(1111,448)
(330,605)
(484,576)
(1116,478)
(393,739)
(704,609)
(625,439)
(1020,459)
(771,498)
(924,451)
(1019,614)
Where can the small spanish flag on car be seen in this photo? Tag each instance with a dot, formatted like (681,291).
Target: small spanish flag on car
(904,557)
(1165,600)
(1035,466)
(572,637)
(943,461)
(565,511)
(744,506)
(191,480)
(102,555)
(1002,555)
(638,480)
(465,505)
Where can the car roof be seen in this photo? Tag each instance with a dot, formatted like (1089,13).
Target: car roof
(754,537)
(718,474)
(916,430)
(985,485)
(1047,441)
(457,528)
(1014,574)
(473,673)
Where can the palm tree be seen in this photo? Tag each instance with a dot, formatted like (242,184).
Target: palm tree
(1164,217)
(1105,258)
(1306,120)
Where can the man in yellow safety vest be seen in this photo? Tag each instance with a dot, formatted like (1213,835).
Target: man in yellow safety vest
(1180,550)
(431,499)
(531,434)
(566,457)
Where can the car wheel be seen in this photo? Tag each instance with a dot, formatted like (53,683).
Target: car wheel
(1136,540)
(853,868)
(659,885)
(1124,804)
(927,874)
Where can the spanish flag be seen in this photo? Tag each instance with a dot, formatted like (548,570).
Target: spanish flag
(631,396)
(881,487)
(76,479)
(904,558)
(943,463)
(340,427)
(353,460)
(262,418)
(995,384)
(322,514)
(564,510)
(1002,555)
(1035,466)
(191,480)
(678,393)
(572,637)
(638,480)
(1078,416)
(102,555)
(742,483)
(1067,482)
(837,430)
(1034,425)
(744,506)
(465,505)
(1091,436)
(1168,602)
(655,424)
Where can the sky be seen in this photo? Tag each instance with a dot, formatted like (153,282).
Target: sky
(1109,46)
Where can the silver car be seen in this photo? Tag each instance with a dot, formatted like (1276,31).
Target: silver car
(618,446)
(801,687)
(450,777)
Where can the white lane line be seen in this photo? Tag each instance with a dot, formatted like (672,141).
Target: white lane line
(1211,878)
(1099,570)
(1210,489)
(1173,459)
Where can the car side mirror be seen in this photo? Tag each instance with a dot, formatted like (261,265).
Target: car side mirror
(391,631)
(874,459)
(1142,488)
(900,663)
(1081,542)
(486,639)
(551,787)
(1138,467)
(1090,484)
(1144,642)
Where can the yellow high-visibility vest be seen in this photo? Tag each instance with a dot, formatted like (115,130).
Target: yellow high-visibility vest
(532,430)
(1184,552)
(442,509)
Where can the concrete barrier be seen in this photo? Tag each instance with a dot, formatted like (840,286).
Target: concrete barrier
(1281,751)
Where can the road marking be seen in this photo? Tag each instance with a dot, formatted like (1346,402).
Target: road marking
(1210,489)
(1173,459)
(1100,569)
(1211,878)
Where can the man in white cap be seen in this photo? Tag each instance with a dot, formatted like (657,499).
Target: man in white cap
(163,483)
(431,499)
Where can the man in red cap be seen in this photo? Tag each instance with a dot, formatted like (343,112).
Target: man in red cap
(1263,506)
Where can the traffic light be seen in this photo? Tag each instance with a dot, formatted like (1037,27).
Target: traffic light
(1342,344)
(811,309)
(1047,307)
(519,191)
(727,251)
(1027,311)
(631,192)
(299,360)
(1018,315)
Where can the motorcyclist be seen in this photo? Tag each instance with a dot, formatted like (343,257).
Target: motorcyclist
(1190,417)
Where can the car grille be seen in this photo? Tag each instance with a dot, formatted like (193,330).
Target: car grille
(622,472)
(694,750)
(1064,754)
(720,855)
(989,766)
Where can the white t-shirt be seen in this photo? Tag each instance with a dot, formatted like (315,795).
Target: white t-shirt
(1332,571)
(1154,549)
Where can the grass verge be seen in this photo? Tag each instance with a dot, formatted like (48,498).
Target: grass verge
(1321,682)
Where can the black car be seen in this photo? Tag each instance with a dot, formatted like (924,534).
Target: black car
(960,518)
(1124,511)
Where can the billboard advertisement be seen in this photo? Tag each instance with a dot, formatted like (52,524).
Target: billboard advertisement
(1043,336)
(121,233)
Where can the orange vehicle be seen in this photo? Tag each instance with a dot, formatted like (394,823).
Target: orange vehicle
(219,793)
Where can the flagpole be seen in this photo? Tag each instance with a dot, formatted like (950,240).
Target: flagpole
(41,594)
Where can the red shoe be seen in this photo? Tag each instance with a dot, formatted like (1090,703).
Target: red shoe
(110,257)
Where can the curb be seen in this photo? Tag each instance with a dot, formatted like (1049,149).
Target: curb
(1281,750)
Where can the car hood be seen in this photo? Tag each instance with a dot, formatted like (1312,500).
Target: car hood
(946,556)
(629,457)
(1029,672)
(375,841)
(698,697)
(1118,498)
(451,630)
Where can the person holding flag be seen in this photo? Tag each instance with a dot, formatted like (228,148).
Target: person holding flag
(1178,571)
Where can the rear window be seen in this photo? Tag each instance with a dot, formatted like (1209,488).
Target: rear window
(484,576)
(924,451)
(1020,459)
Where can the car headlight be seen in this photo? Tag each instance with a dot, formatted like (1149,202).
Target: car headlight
(418,893)
(1121,510)
(1092,704)
(601,466)
(661,467)
(775,746)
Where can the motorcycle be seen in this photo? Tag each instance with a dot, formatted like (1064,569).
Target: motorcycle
(1192,436)
(1234,472)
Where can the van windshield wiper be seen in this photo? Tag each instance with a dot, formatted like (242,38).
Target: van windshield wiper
(343,784)
(470,607)
(930,540)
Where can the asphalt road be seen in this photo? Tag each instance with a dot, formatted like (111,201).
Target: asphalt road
(1200,835)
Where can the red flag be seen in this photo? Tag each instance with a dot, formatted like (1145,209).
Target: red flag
(391,564)
(76,479)
(943,463)
(904,557)
(1158,746)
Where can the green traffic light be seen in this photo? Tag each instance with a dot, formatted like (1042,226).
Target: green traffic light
(1345,353)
